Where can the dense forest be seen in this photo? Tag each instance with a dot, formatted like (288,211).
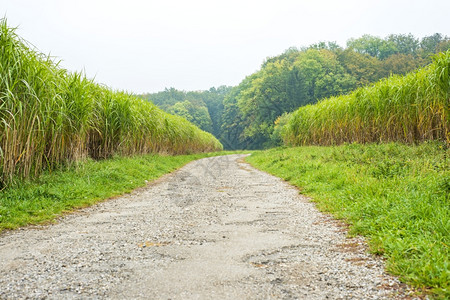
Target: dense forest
(244,116)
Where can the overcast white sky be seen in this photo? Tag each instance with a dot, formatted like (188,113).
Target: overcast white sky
(146,45)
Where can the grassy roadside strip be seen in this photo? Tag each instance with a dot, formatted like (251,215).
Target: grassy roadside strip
(398,196)
(84,184)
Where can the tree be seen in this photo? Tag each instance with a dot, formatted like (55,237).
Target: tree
(363,67)
(372,45)
(332,46)
(233,122)
(400,64)
(195,114)
(405,44)
(275,89)
(290,55)
(213,100)
(323,74)
(282,85)
(166,98)
(433,44)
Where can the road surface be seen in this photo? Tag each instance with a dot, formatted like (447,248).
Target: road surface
(215,229)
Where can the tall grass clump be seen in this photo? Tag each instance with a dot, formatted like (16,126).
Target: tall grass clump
(411,108)
(50,117)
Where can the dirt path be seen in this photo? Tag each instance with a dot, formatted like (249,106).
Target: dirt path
(216,229)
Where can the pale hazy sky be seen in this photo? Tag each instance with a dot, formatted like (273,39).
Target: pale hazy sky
(145,45)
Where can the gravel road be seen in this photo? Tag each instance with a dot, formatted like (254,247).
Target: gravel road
(215,229)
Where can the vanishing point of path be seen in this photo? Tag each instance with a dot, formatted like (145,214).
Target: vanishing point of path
(215,229)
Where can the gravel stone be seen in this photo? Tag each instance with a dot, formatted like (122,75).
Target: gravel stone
(215,229)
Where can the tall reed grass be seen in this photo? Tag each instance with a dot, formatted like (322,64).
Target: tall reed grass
(49,117)
(411,108)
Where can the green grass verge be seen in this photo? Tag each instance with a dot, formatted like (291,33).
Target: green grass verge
(394,194)
(44,199)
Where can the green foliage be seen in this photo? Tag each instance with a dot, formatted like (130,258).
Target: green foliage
(324,74)
(266,98)
(209,103)
(82,184)
(300,77)
(374,46)
(363,67)
(233,121)
(214,102)
(243,117)
(197,115)
(404,44)
(166,98)
(278,131)
(400,64)
(411,108)
(50,117)
(434,44)
(396,195)
(399,44)
(281,86)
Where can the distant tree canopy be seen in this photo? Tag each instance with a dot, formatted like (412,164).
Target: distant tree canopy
(202,108)
(196,114)
(243,117)
(399,44)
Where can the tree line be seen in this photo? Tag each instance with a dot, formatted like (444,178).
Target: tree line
(244,116)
